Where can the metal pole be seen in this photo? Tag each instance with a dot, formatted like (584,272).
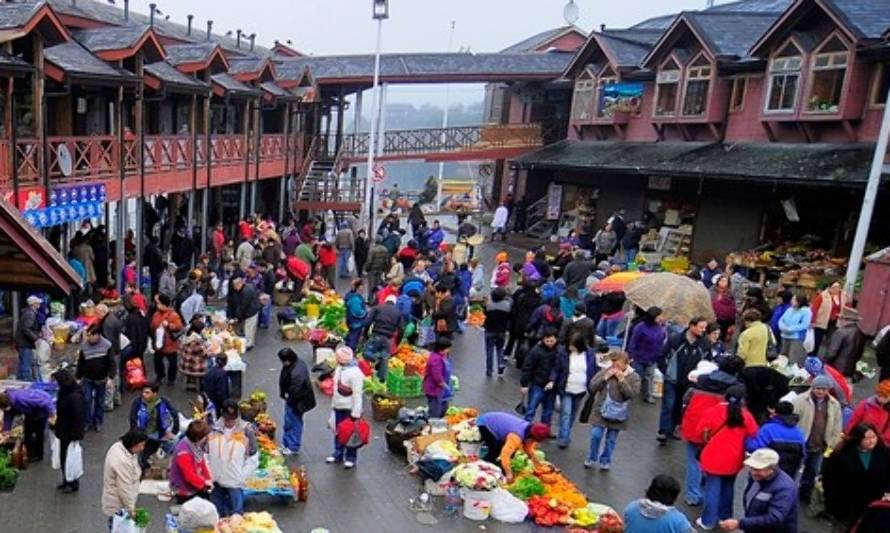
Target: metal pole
(381,120)
(369,179)
(444,126)
(868,205)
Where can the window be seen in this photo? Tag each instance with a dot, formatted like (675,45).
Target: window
(829,71)
(698,80)
(582,100)
(607,77)
(737,99)
(881,84)
(784,77)
(667,85)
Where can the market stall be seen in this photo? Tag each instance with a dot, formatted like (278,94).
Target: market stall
(794,265)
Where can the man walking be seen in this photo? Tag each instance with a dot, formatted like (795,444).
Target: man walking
(26,335)
(243,305)
(295,388)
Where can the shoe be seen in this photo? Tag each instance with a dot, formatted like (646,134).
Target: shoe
(650,401)
(61,486)
(501,371)
(676,434)
(288,451)
(605,466)
(488,374)
(331,460)
(348,465)
(69,489)
(98,428)
(692,504)
(699,524)
(590,464)
(661,438)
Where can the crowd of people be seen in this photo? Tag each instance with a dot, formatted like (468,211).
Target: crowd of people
(544,314)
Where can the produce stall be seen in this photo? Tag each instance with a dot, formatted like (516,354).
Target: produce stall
(406,369)
(793,265)
(261,522)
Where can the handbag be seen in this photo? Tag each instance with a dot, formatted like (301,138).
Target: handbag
(772,349)
(342,388)
(586,410)
(614,411)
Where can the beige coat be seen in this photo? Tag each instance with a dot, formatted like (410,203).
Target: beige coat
(619,391)
(120,480)
(805,409)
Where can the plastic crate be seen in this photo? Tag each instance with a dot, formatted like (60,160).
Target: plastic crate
(404,386)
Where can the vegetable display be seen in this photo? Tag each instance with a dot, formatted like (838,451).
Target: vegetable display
(374,386)
(456,415)
(478,475)
(526,486)
(521,463)
(548,511)
(467,431)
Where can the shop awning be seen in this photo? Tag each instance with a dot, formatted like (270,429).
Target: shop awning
(823,164)
(27,260)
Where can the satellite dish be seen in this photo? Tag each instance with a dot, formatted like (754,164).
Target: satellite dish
(66,165)
(571,12)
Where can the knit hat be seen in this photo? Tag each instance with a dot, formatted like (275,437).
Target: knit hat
(501,257)
(883,388)
(813,366)
(824,382)
(539,432)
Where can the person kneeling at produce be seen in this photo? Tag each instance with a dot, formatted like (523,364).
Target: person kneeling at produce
(231,455)
(189,473)
(656,512)
(347,402)
(504,434)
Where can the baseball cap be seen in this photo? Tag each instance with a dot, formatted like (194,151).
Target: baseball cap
(762,458)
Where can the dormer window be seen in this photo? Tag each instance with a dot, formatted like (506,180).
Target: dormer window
(698,80)
(784,78)
(667,85)
(606,77)
(582,100)
(829,71)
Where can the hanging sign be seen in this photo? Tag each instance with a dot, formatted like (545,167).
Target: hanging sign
(554,201)
(69,204)
(621,98)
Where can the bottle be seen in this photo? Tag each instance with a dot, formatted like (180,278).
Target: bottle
(452,499)
(303,479)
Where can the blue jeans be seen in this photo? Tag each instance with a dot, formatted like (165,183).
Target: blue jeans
(569,406)
(718,499)
(630,254)
(377,351)
(293,429)
(228,501)
(494,343)
(693,475)
(538,396)
(608,327)
(645,371)
(26,364)
(812,466)
(596,435)
(666,418)
(265,315)
(342,453)
(436,405)
(93,402)
(343,262)
(354,336)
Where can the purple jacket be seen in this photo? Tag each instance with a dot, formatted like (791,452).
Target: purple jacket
(502,424)
(438,375)
(646,342)
(28,402)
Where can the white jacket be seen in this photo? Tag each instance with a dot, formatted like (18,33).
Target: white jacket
(500,217)
(232,454)
(352,377)
(120,480)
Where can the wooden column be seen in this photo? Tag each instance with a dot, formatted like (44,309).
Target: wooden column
(242,207)
(282,187)
(258,132)
(139,119)
(121,222)
(193,128)
(39,108)
(208,159)
(9,125)
(341,103)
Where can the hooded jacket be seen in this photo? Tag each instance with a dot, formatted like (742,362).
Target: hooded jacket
(94,361)
(646,342)
(498,317)
(782,434)
(870,411)
(647,516)
(707,392)
(168,418)
(295,387)
(385,319)
(28,330)
(525,300)
(724,451)
(69,414)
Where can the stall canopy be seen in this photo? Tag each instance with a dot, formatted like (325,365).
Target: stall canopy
(27,260)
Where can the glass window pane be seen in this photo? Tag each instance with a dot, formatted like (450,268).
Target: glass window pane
(825,95)
(667,99)
(790,91)
(696,98)
(883,73)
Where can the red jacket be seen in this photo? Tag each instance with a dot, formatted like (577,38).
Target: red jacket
(246,229)
(174,324)
(699,403)
(219,241)
(871,412)
(327,256)
(724,453)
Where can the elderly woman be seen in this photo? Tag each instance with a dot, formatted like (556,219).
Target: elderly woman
(346,403)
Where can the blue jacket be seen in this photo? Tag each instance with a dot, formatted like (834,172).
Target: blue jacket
(168,418)
(782,435)
(406,306)
(560,373)
(434,238)
(795,323)
(502,424)
(646,343)
(770,505)
(774,320)
(646,516)
(356,310)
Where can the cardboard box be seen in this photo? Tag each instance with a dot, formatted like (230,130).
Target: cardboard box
(422,441)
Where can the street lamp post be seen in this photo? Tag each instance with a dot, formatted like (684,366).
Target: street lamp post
(380,13)
(444,127)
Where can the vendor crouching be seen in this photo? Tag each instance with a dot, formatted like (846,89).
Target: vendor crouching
(504,434)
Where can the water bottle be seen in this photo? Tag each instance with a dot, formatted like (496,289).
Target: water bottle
(452,499)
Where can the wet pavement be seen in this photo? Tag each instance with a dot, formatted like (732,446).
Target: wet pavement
(375,496)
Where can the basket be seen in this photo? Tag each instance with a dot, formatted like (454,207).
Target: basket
(383,412)
(404,386)
(396,441)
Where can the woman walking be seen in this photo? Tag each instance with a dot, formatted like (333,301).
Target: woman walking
(645,348)
(69,423)
(436,381)
(346,403)
(724,306)
(723,428)
(612,390)
(794,325)
(573,371)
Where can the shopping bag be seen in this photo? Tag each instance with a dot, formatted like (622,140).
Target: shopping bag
(122,523)
(159,338)
(74,462)
(809,342)
(507,508)
(350,265)
(55,454)
(135,374)
(586,409)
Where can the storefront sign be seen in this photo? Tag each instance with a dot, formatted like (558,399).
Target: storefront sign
(69,204)
(554,201)
(621,98)
(28,198)
(659,183)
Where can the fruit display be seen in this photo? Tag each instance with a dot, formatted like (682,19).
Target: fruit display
(584,517)
(456,415)
(548,511)
(467,431)
(478,475)
(413,361)
(374,386)
(249,523)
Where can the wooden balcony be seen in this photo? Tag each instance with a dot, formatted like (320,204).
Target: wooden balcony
(170,161)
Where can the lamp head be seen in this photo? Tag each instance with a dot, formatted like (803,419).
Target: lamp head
(571,13)
(381,9)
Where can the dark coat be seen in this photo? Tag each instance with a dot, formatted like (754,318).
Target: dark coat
(849,487)
(525,301)
(243,304)
(560,374)
(687,355)
(765,386)
(386,320)
(361,253)
(69,414)
(845,349)
(447,310)
(585,327)
(771,507)
(216,386)
(28,330)
(575,274)
(295,387)
(136,328)
(538,365)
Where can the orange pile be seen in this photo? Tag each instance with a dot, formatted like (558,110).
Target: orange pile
(559,487)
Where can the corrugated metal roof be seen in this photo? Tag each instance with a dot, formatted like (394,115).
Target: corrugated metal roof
(75,59)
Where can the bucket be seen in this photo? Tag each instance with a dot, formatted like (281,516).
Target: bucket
(477,505)
(323,354)
(657,384)
(61,334)
(470,448)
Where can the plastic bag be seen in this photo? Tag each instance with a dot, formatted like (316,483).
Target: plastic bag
(350,265)
(122,523)
(198,513)
(809,342)
(135,374)
(507,508)
(159,338)
(55,454)
(74,462)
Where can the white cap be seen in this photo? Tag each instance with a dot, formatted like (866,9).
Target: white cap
(390,299)
(31,300)
(762,458)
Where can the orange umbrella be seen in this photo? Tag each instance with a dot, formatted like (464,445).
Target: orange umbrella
(616,282)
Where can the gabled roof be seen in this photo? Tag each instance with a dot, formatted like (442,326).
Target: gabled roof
(251,68)
(539,42)
(224,84)
(752,6)
(195,56)
(273,91)
(282,50)
(112,43)
(75,61)
(20,19)
(624,48)
(166,74)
